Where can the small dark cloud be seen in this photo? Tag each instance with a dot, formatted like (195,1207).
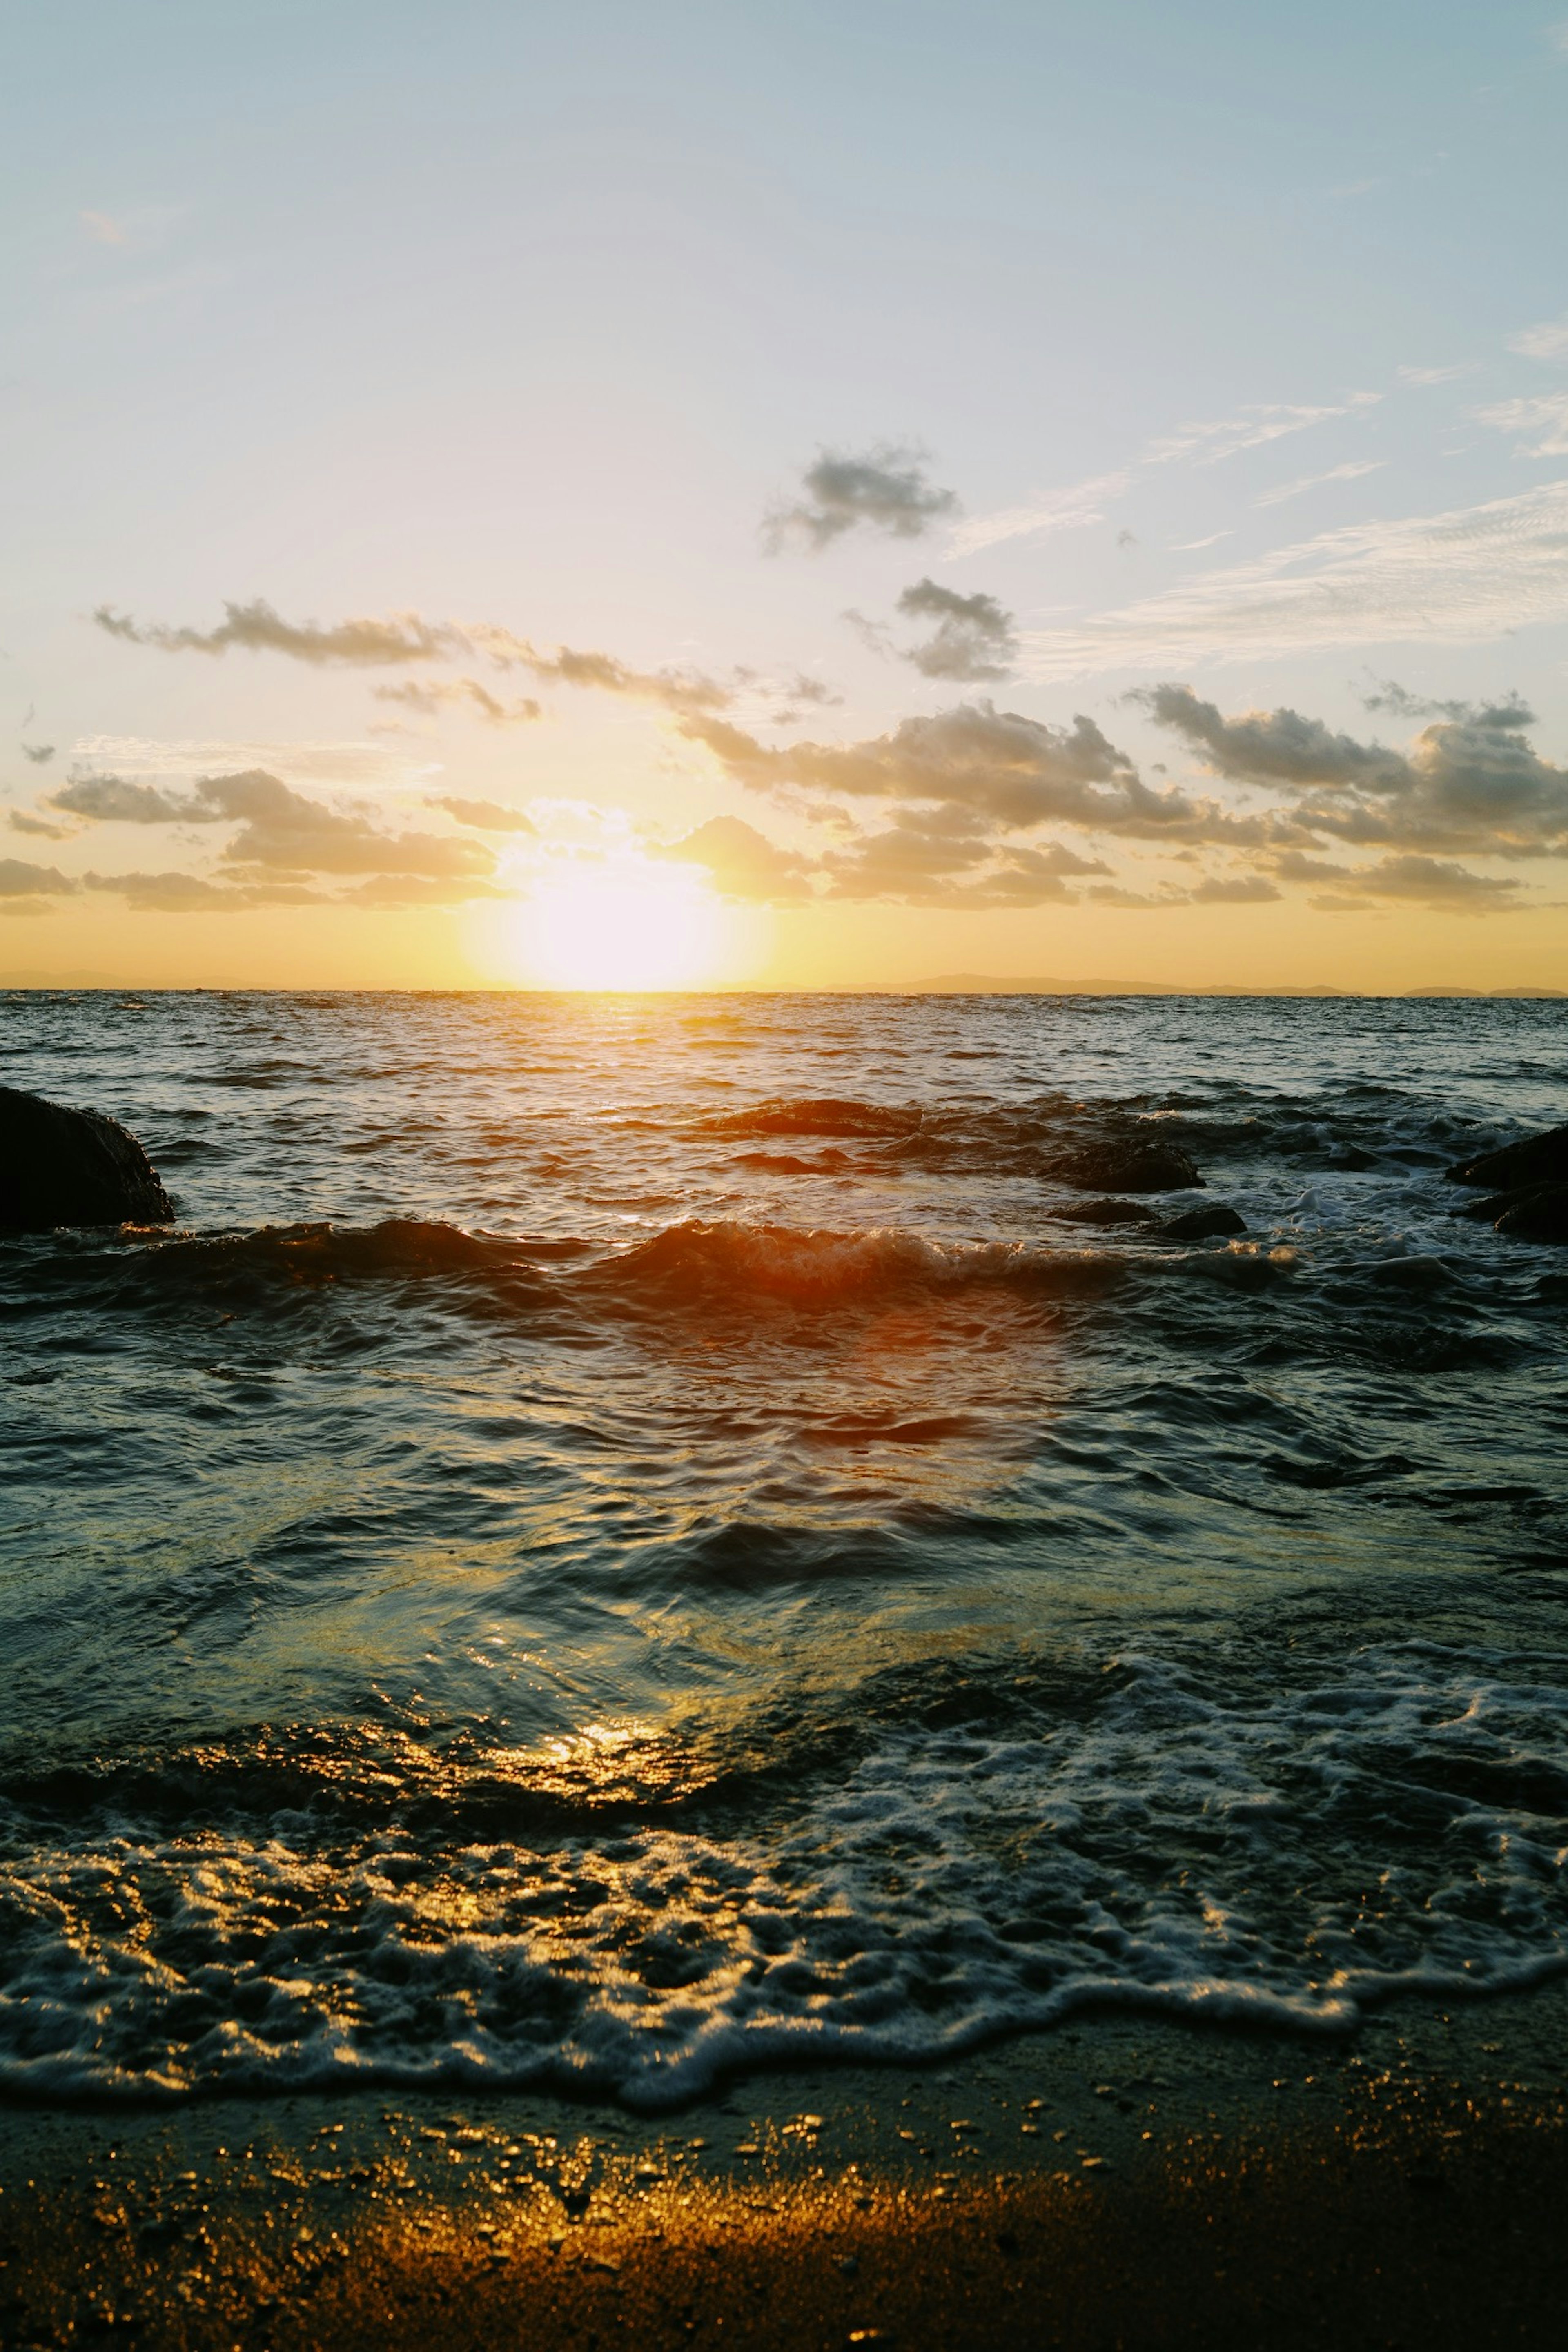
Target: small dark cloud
(40,754)
(23,821)
(113,800)
(886,489)
(485,816)
(18,879)
(1233,890)
(973,636)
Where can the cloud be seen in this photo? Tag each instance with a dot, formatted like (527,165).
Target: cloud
(1431,374)
(175,893)
(20,881)
(280,831)
(885,488)
(741,862)
(439,693)
(283,831)
(1201,444)
(1461,576)
(408,638)
(1075,509)
(1347,473)
(1209,443)
(1471,781)
(1006,771)
(972,637)
(404,637)
(935,859)
(23,821)
(1540,422)
(102,229)
(1412,879)
(1549,341)
(112,799)
(1233,890)
(40,754)
(485,816)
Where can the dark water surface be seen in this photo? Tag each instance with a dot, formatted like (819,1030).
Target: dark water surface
(625,1539)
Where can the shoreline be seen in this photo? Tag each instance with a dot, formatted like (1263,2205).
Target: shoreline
(1118,2180)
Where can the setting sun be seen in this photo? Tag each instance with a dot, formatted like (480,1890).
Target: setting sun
(630,924)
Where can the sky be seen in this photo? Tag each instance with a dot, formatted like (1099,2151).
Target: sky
(809,497)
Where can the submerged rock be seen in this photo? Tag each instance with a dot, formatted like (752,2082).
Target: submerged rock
(1534,1159)
(1106,1212)
(1133,1163)
(1537,1215)
(60,1167)
(1203,1224)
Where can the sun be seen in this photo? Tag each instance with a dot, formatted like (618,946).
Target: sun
(622,923)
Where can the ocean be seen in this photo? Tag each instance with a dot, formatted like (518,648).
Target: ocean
(622,1541)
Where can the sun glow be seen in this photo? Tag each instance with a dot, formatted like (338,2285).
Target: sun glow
(627,923)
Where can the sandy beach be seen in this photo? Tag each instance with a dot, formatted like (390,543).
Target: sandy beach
(1117,2183)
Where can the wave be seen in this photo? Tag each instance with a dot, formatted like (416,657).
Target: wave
(955,1855)
(738,1260)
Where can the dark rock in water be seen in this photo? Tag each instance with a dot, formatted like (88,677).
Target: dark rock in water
(1540,1214)
(1535,1159)
(60,1167)
(1132,1163)
(1203,1224)
(1488,1211)
(1106,1212)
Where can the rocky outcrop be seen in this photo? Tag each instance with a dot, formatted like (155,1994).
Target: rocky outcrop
(1132,1163)
(60,1167)
(1538,1214)
(1534,1159)
(1105,1213)
(1203,1224)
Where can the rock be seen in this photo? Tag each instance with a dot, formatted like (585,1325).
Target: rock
(60,1167)
(1203,1224)
(1106,1212)
(1534,1159)
(1132,1163)
(1537,1215)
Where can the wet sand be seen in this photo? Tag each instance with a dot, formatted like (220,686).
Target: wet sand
(1122,2182)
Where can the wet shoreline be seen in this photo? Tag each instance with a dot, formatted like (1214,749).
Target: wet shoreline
(1121,2180)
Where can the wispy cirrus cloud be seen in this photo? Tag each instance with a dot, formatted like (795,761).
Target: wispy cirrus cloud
(1540,422)
(1351,472)
(1548,340)
(1461,576)
(1209,443)
(1202,443)
(1077,507)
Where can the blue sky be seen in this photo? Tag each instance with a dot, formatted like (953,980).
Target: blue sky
(1234,334)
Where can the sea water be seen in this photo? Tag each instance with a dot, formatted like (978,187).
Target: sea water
(620,1540)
